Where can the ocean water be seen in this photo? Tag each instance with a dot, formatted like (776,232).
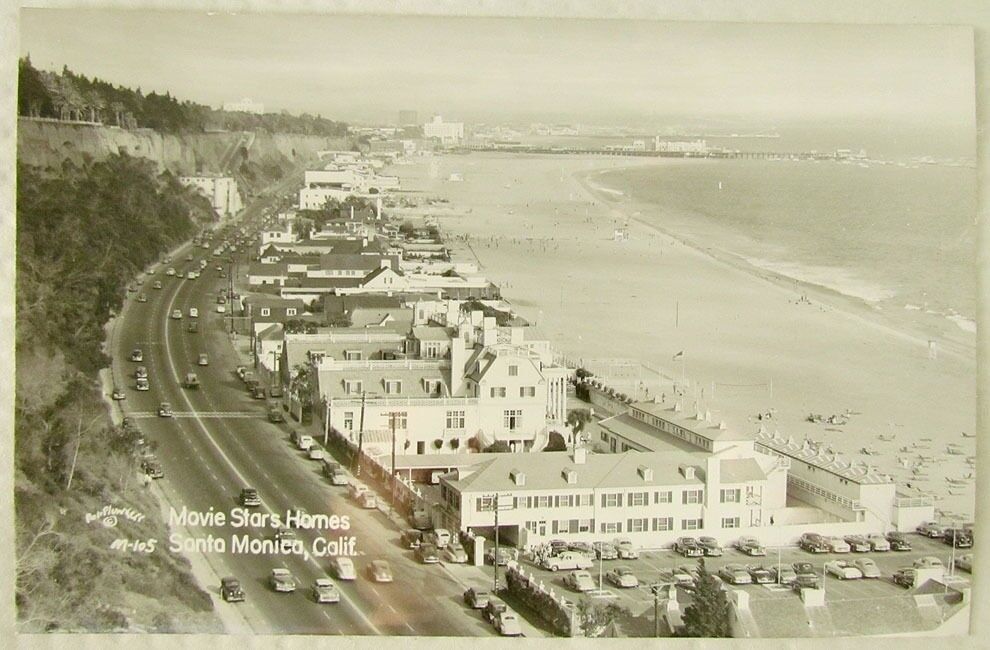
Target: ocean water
(899,237)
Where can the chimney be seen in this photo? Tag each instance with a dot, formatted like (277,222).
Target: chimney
(580,456)
(352,213)
(458,357)
(708,415)
(645,473)
(569,475)
(677,407)
(518,478)
(687,471)
(722,425)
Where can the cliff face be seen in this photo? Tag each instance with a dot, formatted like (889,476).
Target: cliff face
(254,157)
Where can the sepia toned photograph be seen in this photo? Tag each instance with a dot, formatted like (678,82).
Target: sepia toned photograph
(438,326)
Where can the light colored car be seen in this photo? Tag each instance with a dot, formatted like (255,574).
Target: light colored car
(157,284)
(626,549)
(141,372)
(623,577)
(118,394)
(221,309)
(750,546)
(282,581)
(878,542)
(315,452)
(193,312)
(380,571)
(165,410)
(735,574)
(343,568)
(568,560)
(141,383)
(324,591)
(965,562)
(304,442)
(842,570)
(867,567)
(928,562)
(203,360)
(930,529)
(137,355)
(170,272)
(439,537)
(858,543)
(285,538)
(176,314)
(837,545)
(455,553)
(507,624)
(785,575)
(579,581)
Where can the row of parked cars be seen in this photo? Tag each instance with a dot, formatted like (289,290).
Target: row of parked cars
(494,610)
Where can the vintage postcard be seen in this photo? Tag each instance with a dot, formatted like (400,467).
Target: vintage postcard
(436,326)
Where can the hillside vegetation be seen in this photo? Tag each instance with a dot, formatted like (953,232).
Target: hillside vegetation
(82,233)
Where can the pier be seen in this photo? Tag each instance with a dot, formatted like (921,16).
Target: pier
(715,153)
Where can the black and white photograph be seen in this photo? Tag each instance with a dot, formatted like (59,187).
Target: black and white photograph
(364,325)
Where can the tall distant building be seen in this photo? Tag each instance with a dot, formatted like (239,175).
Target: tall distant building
(408,118)
(220,190)
(447,132)
(244,106)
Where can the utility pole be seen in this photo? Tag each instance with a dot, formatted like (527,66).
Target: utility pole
(391,421)
(357,468)
(326,423)
(656,611)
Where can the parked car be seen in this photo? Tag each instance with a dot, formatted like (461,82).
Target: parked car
(504,555)
(623,577)
(750,546)
(137,355)
(580,581)
(303,441)
(965,562)
(412,538)
(735,574)
(258,392)
(928,562)
(710,546)
(813,543)
(427,554)
(568,560)
(281,581)
(582,547)
(493,608)
(837,545)
(605,551)
(557,546)
(688,547)
(380,571)
(165,410)
(867,567)
(930,529)
(476,598)
(343,568)
(230,590)
(878,542)
(454,553)
(805,576)
(507,624)
(250,498)
(315,452)
(439,537)
(626,549)
(898,542)
(276,391)
(904,577)
(958,537)
(783,575)
(685,575)
(760,575)
(842,570)
(858,543)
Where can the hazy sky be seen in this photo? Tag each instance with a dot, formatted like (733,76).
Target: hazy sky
(476,69)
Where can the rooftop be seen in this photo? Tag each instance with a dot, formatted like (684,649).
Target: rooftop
(643,434)
(426,333)
(689,420)
(819,457)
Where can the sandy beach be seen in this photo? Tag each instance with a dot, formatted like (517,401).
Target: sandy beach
(753,341)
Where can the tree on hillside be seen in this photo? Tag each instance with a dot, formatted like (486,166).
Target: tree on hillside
(708,614)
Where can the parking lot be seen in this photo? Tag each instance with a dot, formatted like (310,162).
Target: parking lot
(651,566)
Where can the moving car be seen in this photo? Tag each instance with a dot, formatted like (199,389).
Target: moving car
(275,391)
(164,410)
(455,553)
(878,542)
(858,543)
(427,554)
(141,372)
(258,392)
(285,539)
(904,577)
(493,608)
(343,568)
(567,560)
(192,327)
(137,355)
(605,551)
(154,469)
(842,570)
(898,542)
(623,577)
(221,309)
(204,360)
(626,549)
(867,567)
(250,498)
(380,571)
(281,581)
(761,575)
(142,297)
(688,547)
(191,380)
(275,415)
(579,581)
(142,384)
(930,529)
(735,574)
(476,598)
(813,543)
(324,591)
(176,314)
(170,271)
(507,624)
(750,546)
(230,590)
(837,545)
(118,394)
(315,452)
(965,562)
(157,284)
(783,575)
(710,546)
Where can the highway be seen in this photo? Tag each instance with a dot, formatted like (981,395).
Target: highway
(221,441)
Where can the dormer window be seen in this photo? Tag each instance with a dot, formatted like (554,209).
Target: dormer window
(393,386)
(353,386)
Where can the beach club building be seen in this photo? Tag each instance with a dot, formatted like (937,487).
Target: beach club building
(475,386)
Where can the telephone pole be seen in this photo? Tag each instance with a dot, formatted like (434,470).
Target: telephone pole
(357,460)
(391,421)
